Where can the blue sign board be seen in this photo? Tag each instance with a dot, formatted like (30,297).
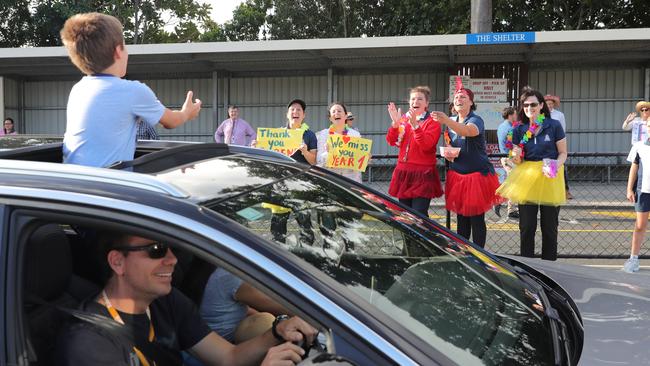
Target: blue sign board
(500,38)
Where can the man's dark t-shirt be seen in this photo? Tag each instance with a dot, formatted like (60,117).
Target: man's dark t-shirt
(177,325)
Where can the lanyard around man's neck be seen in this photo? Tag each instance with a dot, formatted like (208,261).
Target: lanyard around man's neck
(116,316)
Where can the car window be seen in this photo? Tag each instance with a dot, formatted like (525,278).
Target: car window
(448,293)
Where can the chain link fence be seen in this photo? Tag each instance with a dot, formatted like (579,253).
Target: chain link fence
(596,223)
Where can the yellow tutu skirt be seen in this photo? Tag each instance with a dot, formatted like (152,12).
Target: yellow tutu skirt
(526,184)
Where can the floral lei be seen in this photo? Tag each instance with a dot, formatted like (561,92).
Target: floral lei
(532,129)
(332,130)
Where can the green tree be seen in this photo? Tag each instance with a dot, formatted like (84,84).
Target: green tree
(145,21)
(14,22)
(248,21)
(522,15)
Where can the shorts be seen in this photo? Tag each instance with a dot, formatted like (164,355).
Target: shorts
(642,202)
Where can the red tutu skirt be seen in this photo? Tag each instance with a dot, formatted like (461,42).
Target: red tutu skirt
(471,194)
(414,180)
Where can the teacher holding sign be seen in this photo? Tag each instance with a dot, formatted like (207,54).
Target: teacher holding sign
(337,115)
(295,121)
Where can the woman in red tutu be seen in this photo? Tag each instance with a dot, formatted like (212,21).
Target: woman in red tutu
(471,180)
(415,179)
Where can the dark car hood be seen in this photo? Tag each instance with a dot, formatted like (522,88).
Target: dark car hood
(614,306)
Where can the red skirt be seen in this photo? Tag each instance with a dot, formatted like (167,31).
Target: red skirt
(471,194)
(414,180)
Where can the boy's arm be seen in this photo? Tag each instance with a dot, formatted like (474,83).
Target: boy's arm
(190,110)
(631,179)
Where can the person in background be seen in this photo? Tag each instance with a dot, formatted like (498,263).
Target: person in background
(553,101)
(538,146)
(349,120)
(337,114)
(415,180)
(146,131)
(638,125)
(638,192)
(103,108)
(235,130)
(509,115)
(8,127)
(305,154)
(471,179)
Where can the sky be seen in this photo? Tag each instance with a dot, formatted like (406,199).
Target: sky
(222,9)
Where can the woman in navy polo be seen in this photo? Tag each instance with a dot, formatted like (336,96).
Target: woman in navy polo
(534,184)
(471,181)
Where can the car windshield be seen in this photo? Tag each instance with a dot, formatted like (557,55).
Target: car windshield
(450,294)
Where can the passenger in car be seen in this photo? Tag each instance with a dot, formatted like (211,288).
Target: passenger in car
(236,310)
(159,321)
(102,107)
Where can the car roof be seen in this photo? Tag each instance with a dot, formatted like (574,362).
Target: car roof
(154,169)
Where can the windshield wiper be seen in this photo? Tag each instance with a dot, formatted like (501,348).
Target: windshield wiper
(559,332)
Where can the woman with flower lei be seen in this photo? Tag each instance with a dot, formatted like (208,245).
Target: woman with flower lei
(337,114)
(415,179)
(538,146)
(471,179)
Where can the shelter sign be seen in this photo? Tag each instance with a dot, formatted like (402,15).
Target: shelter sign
(500,38)
(282,140)
(348,152)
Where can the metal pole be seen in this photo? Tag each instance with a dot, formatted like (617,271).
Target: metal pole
(481,16)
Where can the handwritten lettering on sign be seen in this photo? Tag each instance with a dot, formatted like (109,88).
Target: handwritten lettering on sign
(348,152)
(282,140)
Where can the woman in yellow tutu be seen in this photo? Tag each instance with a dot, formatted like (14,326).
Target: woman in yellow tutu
(538,148)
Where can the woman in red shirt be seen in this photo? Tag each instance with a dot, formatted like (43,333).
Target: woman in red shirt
(415,179)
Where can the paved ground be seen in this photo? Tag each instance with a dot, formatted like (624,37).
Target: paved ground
(598,222)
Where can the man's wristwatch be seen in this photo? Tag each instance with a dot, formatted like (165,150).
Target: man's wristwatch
(274,329)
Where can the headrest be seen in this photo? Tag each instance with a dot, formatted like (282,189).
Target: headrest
(48,262)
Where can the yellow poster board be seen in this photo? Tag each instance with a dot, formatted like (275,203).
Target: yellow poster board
(348,152)
(282,140)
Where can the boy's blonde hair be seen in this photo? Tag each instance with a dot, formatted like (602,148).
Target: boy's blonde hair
(90,39)
(421,89)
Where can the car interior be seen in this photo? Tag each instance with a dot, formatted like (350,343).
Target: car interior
(61,271)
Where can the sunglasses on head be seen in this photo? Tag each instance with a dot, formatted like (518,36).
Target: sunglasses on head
(645,109)
(532,105)
(154,250)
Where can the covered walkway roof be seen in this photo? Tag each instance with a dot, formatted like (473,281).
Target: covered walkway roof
(561,48)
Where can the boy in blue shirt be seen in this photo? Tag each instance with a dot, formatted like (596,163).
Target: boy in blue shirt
(102,107)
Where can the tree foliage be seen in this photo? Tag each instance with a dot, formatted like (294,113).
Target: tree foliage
(523,15)
(30,22)
(14,22)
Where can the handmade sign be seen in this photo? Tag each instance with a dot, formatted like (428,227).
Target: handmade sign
(348,152)
(282,140)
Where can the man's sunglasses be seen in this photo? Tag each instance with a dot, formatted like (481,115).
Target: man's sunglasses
(532,105)
(155,250)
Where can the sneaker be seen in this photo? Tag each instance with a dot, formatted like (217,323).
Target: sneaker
(497,210)
(514,215)
(631,265)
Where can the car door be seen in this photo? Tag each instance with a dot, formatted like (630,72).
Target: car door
(214,240)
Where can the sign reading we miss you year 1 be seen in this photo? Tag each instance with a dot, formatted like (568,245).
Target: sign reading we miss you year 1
(282,140)
(348,152)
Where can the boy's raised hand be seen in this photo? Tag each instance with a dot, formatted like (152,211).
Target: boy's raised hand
(191,108)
